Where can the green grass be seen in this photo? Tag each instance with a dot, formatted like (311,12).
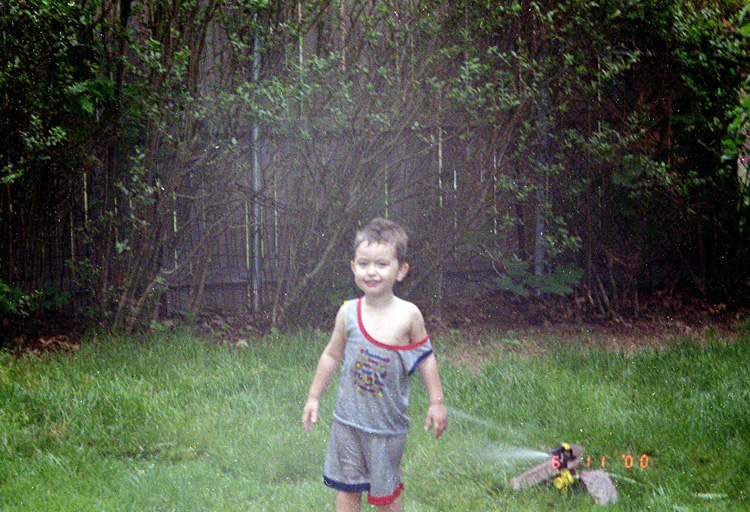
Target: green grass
(176,423)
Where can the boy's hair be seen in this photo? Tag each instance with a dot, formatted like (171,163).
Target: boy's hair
(380,230)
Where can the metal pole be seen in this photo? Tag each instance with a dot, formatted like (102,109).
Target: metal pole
(257,187)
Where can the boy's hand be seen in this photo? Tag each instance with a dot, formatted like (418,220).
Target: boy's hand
(437,416)
(310,413)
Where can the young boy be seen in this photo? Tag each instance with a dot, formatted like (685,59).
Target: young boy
(381,340)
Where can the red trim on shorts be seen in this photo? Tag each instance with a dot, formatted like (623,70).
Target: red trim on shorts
(381,501)
(381,344)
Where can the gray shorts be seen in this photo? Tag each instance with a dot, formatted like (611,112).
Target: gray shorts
(358,461)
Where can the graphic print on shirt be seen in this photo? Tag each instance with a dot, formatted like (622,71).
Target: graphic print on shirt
(370,372)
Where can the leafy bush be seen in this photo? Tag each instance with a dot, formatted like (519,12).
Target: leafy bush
(13,301)
(518,276)
(17,305)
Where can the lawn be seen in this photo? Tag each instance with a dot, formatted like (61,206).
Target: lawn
(174,422)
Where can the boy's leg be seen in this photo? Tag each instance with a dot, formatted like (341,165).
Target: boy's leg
(384,462)
(348,501)
(395,506)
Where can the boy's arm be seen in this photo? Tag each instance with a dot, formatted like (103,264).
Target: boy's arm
(329,362)
(437,415)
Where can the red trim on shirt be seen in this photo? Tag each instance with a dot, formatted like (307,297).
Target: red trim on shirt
(378,343)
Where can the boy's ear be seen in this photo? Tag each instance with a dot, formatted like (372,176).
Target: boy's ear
(402,271)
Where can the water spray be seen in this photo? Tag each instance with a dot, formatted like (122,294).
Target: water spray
(561,466)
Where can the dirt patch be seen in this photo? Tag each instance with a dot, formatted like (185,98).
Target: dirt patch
(472,346)
(475,331)
(475,336)
(42,332)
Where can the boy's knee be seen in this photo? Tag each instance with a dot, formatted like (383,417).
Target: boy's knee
(348,501)
(394,506)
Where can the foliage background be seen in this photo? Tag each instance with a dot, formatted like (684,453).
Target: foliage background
(163,157)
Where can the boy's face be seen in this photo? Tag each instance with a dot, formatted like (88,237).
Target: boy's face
(376,268)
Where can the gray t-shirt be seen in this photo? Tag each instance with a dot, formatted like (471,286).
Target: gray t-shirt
(373,392)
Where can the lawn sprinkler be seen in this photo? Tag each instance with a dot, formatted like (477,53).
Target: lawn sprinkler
(562,469)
